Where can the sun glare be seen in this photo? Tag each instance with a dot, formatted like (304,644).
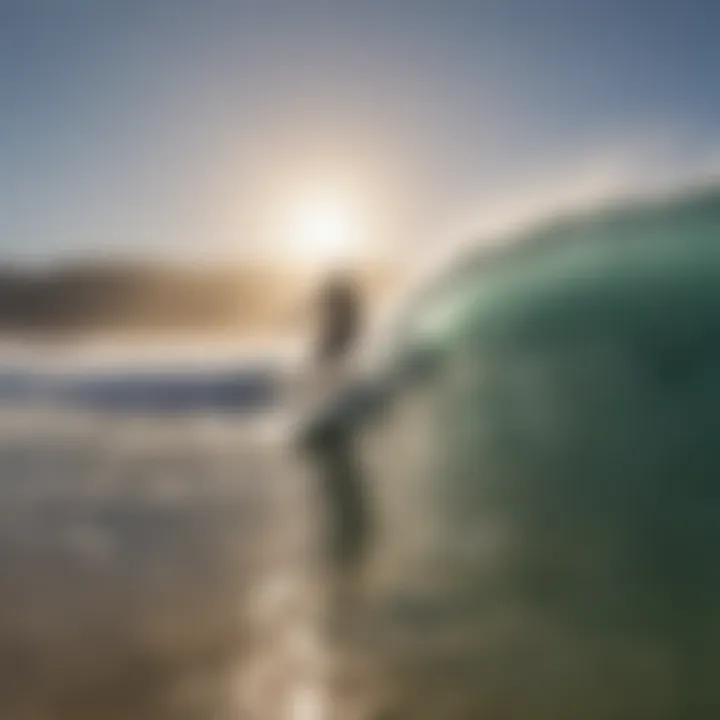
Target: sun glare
(324,229)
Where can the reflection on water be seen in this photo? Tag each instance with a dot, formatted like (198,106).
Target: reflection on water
(152,568)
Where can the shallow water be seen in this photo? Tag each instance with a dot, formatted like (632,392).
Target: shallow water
(153,567)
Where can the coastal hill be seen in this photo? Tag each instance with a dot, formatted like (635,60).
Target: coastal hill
(145,298)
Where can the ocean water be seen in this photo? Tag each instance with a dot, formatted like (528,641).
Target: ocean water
(548,515)
(156,547)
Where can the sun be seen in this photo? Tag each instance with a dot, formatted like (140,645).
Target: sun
(324,229)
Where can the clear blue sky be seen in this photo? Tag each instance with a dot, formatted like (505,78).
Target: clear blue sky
(158,125)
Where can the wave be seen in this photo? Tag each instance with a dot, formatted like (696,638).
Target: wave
(600,215)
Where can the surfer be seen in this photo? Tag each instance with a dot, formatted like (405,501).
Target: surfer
(339,316)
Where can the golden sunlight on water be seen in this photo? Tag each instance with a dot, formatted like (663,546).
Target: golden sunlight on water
(153,569)
(161,568)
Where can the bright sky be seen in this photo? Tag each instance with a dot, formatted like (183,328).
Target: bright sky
(201,126)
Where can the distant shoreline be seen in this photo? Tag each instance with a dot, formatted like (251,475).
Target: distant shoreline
(78,303)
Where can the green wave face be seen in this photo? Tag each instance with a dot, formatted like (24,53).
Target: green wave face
(550,492)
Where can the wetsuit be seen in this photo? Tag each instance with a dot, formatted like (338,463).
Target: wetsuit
(341,478)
